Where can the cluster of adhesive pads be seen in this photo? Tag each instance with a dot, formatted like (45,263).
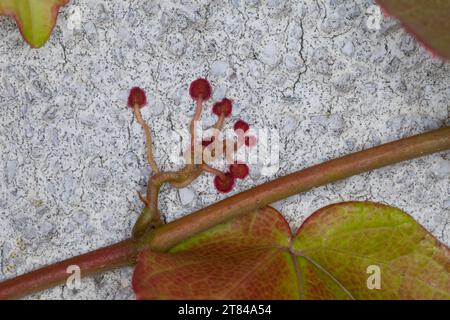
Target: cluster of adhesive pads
(200,90)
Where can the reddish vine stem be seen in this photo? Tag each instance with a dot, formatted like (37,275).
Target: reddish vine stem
(165,236)
(117,255)
(405,149)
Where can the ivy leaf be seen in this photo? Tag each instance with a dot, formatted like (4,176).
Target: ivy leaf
(35,18)
(340,252)
(427,20)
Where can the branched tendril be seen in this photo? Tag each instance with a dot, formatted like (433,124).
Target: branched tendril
(211,149)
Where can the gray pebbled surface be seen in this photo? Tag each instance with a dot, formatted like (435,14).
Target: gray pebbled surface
(72,158)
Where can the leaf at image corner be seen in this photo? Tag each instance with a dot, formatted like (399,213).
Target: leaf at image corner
(35,18)
(257,257)
(427,20)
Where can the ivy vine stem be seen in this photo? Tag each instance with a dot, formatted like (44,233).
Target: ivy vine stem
(165,236)
(420,145)
(117,255)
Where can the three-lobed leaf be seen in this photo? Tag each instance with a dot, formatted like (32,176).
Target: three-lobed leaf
(332,256)
(427,20)
(35,18)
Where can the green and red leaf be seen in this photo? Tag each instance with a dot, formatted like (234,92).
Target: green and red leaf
(427,20)
(35,18)
(257,257)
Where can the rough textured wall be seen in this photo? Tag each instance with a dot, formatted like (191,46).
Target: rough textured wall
(322,73)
